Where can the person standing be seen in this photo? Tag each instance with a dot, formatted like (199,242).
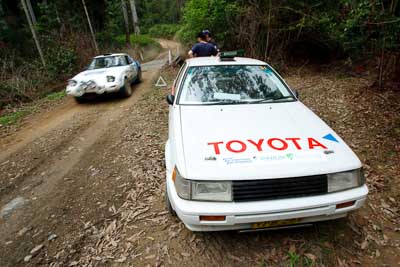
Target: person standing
(202,48)
(209,39)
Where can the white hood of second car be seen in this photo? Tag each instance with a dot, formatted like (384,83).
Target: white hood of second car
(249,128)
(99,75)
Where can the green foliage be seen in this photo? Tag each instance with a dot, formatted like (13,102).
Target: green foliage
(48,19)
(30,79)
(365,28)
(164,30)
(153,12)
(314,31)
(60,61)
(3,24)
(217,16)
(114,20)
(294,259)
(56,95)
(141,40)
(13,117)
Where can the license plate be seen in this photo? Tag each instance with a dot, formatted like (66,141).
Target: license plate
(270,224)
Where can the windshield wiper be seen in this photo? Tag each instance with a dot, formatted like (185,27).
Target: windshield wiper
(224,102)
(268,100)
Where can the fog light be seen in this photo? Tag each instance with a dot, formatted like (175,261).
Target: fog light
(212,218)
(345,205)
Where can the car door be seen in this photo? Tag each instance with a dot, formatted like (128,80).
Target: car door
(173,116)
(132,67)
(175,85)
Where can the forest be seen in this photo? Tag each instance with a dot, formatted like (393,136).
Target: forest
(364,35)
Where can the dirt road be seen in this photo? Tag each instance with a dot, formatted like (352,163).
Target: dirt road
(85,186)
(51,173)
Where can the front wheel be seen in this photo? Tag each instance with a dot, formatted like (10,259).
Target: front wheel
(168,205)
(80,99)
(138,77)
(126,90)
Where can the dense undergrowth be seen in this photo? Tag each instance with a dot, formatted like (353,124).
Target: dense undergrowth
(26,81)
(164,30)
(140,40)
(365,34)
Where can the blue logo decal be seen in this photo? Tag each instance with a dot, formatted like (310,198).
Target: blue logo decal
(330,137)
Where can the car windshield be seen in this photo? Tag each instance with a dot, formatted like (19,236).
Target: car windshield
(107,62)
(232,84)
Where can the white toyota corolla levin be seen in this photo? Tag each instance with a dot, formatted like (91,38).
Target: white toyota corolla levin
(244,153)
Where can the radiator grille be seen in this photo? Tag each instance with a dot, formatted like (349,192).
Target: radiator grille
(268,189)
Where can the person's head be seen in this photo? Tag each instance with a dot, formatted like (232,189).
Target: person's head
(201,37)
(207,33)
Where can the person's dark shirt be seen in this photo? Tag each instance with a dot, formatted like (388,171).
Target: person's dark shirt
(212,41)
(204,50)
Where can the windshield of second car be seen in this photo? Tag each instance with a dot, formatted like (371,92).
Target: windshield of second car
(107,62)
(232,84)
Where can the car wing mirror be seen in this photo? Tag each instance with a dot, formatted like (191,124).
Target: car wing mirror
(170,99)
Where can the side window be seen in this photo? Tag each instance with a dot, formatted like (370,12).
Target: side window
(129,59)
(121,61)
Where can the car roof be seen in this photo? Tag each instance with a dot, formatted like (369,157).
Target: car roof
(216,61)
(111,55)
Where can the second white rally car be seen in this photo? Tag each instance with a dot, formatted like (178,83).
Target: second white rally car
(109,73)
(243,153)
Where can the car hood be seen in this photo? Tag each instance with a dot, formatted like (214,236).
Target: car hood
(260,141)
(99,74)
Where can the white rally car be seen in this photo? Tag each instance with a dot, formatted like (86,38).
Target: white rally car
(107,73)
(244,153)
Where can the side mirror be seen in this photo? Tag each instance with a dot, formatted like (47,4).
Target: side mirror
(296,93)
(170,99)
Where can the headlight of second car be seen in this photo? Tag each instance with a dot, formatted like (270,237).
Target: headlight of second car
(72,83)
(202,190)
(110,79)
(345,180)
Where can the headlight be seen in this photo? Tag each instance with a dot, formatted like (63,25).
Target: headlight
(72,83)
(182,185)
(199,190)
(212,191)
(110,79)
(345,180)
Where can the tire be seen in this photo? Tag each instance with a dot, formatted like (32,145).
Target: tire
(168,205)
(139,77)
(80,99)
(126,90)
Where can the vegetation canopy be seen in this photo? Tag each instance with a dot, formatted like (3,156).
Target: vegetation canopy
(364,34)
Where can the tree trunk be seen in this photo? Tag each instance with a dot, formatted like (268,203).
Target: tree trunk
(268,31)
(35,38)
(126,19)
(179,7)
(33,17)
(90,27)
(135,18)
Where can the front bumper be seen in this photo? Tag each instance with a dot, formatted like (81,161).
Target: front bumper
(241,215)
(97,89)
